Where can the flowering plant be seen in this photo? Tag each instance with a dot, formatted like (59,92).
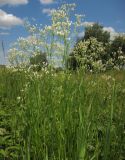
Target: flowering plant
(55,40)
(88,55)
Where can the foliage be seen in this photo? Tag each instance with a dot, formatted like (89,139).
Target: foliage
(22,50)
(94,52)
(90,55)
(38,61)
(118,42)
(96,31)
(49,115)
(55,40)
(59,115)
(117,51)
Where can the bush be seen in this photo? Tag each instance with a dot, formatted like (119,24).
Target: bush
(88,54)
(96,31)
(38,61)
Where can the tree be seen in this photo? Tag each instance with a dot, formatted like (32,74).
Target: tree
(96,31)
(39,60)
(118,42)
(89,55)
(117,51)
(72,62)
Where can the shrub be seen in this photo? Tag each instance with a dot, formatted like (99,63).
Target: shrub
(89,55)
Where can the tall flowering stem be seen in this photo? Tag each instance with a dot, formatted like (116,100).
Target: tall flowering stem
(55,40)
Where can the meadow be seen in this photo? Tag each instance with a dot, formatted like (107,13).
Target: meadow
(75,112)
(62,115)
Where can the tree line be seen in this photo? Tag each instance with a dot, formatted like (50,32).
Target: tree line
(96,52)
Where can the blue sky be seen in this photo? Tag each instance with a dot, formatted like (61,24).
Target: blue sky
(110,13)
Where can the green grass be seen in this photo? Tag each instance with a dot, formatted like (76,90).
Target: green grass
(62,116)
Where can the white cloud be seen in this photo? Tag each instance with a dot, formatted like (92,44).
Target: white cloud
(4,33)
(87,24)
(81,34)
(109,29)
(47,11)
(112,32)
(13,2)
(47,1)
(9,20)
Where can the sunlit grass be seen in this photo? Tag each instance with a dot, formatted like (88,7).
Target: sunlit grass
(62,116)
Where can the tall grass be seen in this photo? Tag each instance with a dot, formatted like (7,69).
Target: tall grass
(62,116)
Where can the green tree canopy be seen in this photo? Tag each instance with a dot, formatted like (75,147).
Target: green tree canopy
(89,55)
(96,31)
(39,59)
(118,42)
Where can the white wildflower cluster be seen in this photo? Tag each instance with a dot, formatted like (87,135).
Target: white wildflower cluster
(17,57)
(55,39)
(22,50)
(89,53)
(31,28)
(79,20)
(120,58)
(107,77)
(110,80)
(59,32)
(98,65)
(61,23)
(33,40)
(117,61)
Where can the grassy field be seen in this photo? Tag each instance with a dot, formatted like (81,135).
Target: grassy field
(62,116)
